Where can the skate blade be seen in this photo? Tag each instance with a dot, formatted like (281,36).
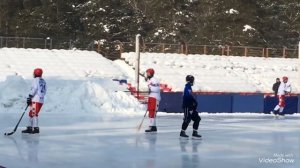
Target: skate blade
(183,138)
(26,135)
(197,138)
(280,117)
(152,132)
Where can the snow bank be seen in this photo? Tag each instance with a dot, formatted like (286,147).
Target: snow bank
(219,73)
(78,82)
(67,64)
(93,95)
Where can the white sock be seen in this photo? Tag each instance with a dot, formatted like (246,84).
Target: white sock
(276,108)
(30,122)
(281,109)
(35,122)
(152,122)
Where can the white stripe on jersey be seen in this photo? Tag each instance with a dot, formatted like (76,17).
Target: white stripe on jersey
(38,90)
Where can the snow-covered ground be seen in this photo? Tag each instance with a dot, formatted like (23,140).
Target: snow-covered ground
(219,73)
(89,121)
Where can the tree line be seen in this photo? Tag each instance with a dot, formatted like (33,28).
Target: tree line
(264,23)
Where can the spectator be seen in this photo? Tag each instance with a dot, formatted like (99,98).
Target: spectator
(276,86)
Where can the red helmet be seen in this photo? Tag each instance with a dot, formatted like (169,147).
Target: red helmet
(38,72)
(150,72)
(285,79)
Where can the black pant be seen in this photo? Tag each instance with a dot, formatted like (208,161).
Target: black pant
(190,114)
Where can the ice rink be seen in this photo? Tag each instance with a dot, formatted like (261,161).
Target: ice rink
(88,141)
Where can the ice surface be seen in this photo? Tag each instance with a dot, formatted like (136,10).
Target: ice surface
(78,140)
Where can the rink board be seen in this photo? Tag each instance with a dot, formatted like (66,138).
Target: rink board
(229,103)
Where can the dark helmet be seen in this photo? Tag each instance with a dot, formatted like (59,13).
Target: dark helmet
(190,78)
(38,72)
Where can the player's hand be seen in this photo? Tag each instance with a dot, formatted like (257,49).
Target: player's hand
(29,100)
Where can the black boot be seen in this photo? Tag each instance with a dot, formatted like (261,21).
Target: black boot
(183,134)
(36,130)
(28,130)
(196,135)
(151,129)
(275,112)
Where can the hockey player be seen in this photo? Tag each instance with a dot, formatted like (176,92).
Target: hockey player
(35,100)
(284,88)
(153,100)
(189,106)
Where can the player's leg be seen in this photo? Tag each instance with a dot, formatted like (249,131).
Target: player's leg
(186,120)
(277,107)
(152,107)
(196,118)
(29,128)
(281,104)
(37,108)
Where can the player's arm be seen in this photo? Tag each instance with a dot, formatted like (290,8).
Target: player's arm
(34,88)
(288,89)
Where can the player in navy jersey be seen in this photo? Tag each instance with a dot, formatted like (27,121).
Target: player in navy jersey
(189,105)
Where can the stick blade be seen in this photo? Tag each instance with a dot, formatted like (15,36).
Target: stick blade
(8,134)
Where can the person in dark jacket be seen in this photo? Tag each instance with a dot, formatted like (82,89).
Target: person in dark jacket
(189,106)
(276,86)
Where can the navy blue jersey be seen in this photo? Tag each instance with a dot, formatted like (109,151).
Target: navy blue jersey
(188,98)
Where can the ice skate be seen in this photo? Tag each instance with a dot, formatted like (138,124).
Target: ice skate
(183,135)
(275,112)
(36,130)
(28,130)
(151,129)
(196,135)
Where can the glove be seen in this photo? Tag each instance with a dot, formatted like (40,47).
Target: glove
(29,99)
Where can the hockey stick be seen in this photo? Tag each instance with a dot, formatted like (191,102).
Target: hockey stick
(140,125)
(16,127)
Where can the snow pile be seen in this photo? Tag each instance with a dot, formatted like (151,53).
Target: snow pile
(93,95)
(77,81)
(100,95)
(12,92)
(219,73)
